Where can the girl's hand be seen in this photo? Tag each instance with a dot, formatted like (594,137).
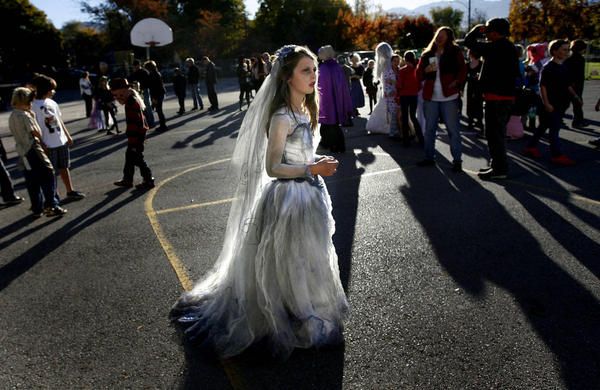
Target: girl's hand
(549,107)
(324,167)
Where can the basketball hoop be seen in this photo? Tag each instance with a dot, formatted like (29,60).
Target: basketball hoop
(151,32)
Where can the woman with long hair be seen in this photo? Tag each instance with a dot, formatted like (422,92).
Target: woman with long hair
(443,69)
(277,277)
(383,119)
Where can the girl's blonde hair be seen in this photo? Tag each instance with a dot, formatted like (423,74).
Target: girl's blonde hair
(288,63)
(22,95)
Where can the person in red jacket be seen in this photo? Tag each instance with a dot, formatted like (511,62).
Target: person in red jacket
(407,90)
(136,134)
(442,68)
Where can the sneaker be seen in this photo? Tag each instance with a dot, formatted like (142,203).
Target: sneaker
(145,185)
(457,167)
(426,163)
(55,211)
(13,201)
(532,152)
(562,160)
(75,195)
(38,214)
(123,183)
(486,169)
(492,175)
(594,142)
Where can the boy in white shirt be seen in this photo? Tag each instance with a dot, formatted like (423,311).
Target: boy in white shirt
(55,136)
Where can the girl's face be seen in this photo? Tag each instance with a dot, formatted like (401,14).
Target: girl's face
(395,62)
(441,38)
(304,77)
(121,94)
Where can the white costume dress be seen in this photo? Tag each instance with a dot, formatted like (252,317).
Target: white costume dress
(383,118)
(279,280)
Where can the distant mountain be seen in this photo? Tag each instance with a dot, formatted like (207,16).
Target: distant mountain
(491,8)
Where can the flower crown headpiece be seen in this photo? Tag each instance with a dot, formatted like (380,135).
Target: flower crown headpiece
(284,52)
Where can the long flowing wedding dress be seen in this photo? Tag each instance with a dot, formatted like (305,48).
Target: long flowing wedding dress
(279,281)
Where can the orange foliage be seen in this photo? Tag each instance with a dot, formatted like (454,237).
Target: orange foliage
(366,32)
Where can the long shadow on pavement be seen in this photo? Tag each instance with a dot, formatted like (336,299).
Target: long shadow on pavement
(477,241)
(21,264)
(226,127)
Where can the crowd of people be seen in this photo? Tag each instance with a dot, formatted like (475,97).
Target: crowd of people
(504,93)
(408,97)
(43,140)
(277,277)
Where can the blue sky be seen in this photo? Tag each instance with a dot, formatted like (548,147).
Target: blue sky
(61,11)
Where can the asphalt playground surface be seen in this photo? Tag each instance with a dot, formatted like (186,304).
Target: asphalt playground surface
(453,283)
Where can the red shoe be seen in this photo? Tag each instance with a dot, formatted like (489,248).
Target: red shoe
(532,152)
(562,160)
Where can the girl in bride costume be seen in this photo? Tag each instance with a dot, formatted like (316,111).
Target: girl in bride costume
(383,119)
(277,276)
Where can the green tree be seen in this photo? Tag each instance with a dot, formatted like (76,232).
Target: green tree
(447,16)
(27,40)
(306,22)
(117,18)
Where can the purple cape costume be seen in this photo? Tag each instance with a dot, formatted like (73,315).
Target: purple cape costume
(335,104)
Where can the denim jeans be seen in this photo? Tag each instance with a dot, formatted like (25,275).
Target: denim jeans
(41,182)
(196,98)
(553,122)
(497,114)
(6,187)
(448,111)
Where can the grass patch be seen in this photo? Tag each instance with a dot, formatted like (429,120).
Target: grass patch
(592,70)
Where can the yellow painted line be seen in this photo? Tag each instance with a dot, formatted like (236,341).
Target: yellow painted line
(194,206)
(175,261)
(233,374)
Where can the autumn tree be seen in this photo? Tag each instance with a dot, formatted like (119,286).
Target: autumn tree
(447,16)
(27,39)
(544,20)
(84,45)
(400,31)
(208,27)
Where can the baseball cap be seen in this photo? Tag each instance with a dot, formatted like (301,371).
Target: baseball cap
(499,25)
(119,83)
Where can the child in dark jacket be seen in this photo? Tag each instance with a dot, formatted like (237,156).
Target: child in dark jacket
(179,86)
